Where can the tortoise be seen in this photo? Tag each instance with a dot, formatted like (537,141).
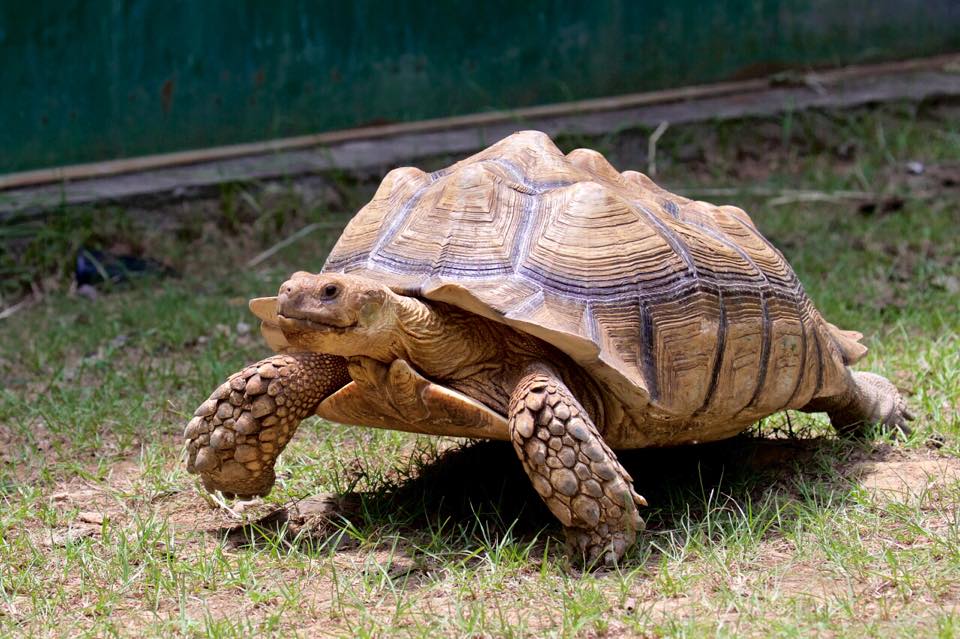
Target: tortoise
(546,299)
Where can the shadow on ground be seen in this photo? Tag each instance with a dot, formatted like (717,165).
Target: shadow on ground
(481,490)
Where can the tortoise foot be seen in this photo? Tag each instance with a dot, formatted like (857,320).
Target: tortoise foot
(236,435)
(872,400)
(574,470)
(598,547)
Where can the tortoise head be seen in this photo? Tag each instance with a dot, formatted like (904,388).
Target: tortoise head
(337,314)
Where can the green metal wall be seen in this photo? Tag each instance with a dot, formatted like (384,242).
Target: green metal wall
(84,80)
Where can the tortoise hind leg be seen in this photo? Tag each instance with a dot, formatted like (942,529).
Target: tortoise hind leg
(572,468)
(235,436)
(871,399)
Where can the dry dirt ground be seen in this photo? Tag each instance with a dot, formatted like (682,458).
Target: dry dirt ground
(884,478)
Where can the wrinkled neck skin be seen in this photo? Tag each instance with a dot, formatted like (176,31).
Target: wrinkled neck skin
(479,357)
(443,342)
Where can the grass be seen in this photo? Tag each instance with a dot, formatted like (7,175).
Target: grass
(102,532)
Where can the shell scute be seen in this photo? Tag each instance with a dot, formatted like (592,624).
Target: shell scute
(668,302)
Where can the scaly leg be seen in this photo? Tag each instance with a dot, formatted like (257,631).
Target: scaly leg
(871,399)
(235,436)
(575,472)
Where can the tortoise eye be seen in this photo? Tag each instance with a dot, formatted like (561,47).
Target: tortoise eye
(329,292)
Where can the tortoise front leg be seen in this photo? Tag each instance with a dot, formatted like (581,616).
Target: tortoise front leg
(235,436)
(572,468)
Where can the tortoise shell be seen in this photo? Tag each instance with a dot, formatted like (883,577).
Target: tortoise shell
(680,308)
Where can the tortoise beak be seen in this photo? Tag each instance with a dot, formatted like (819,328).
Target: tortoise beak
(265,308)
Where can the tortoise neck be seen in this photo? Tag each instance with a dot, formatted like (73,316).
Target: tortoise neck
(439,340)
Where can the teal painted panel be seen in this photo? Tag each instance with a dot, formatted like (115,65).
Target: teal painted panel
(85,80)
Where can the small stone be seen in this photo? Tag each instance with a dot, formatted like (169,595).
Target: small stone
(90,517)
(205,460)
(221,439)
(268,434)
(267,371)
(586,509)
(274,388)
(237,383)
(604,470)
(245,453)
(206,409)
(534,401)
(523,423)
(594,452)
(564,481)
(246,424)
(542,486)
(562,412)
(536,451)
(263,406)
(592,488)
(225,411)
(567,457)
(555,443)
(255,385)
(233,471)
(236,398)
(578,429)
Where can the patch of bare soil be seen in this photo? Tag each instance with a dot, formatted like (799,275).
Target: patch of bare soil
(478,480)
(907,478)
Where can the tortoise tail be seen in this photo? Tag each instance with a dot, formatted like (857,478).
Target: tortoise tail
(848,342)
